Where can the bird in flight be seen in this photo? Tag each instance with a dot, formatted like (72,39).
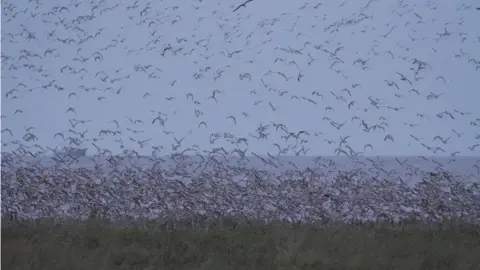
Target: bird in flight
(242,5)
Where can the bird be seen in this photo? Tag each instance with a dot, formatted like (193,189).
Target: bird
(472,148)
(244,4)
(444,141)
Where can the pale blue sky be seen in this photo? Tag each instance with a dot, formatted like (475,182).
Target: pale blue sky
(443,34)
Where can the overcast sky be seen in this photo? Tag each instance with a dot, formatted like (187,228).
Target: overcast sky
(100,61)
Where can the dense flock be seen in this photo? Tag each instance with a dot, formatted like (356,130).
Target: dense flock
(317,193)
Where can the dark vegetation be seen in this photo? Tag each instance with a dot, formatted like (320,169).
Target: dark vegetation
(232,243)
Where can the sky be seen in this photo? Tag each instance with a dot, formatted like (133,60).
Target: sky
(396,74)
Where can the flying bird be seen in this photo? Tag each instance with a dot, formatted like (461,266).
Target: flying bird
(242,5)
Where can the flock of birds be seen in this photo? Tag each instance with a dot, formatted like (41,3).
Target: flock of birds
(216,189)
(199,85)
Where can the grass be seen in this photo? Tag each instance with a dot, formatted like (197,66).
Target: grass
(227,244)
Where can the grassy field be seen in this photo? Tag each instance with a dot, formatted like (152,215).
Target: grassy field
(224,244)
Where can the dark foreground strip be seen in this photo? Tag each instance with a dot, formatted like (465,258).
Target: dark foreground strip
(225,244)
